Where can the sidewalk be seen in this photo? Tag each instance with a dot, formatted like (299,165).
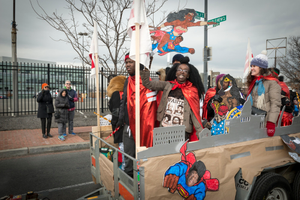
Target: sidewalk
(30,141)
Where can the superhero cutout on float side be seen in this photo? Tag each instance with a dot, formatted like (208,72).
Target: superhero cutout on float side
(179,21)
(189,177)
(227,104)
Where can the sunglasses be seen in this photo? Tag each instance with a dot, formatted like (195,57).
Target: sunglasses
(68,83)
(47,87)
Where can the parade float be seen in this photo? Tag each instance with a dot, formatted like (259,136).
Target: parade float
(241,163)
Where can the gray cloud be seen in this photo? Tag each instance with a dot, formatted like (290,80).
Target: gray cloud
(255,19)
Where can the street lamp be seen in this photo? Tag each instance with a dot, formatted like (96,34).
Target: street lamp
(83,34)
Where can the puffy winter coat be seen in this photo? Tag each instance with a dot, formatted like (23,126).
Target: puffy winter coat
(272,101)
(62,105)
(44,99)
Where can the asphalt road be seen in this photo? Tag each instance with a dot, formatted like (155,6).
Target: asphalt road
(58,176)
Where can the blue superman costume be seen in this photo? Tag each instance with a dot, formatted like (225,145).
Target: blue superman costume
(170,47)
(176,177)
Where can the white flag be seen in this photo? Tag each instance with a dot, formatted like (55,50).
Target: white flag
(138,15)
(94,50)
(249,57)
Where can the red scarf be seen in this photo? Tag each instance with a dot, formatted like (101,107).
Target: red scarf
(269,77)
(209,94)
(148,109)
(285,88)
(190,92)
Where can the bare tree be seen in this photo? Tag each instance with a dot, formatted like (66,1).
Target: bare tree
(290,65)
(112,27)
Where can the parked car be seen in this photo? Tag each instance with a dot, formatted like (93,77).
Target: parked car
(54,93)
(3,97)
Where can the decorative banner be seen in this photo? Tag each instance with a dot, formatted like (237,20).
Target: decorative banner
(169,40)
(189,177)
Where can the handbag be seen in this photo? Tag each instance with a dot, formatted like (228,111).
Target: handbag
(257,111)
(57,114)
(50,108)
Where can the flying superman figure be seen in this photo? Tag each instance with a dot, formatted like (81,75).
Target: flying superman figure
(189,177)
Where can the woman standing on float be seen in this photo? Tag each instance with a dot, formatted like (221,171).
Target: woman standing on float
(264,90)
(180,99)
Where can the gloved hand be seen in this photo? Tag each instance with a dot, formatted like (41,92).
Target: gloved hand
(120,123)
(270,128)
(67,105)
(206,124)
(70,98)
(171,182)
(218,98)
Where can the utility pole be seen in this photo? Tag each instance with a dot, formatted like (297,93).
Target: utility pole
(275,45)
(205,48)
(14,62)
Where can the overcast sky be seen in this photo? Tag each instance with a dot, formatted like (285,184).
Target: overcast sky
(257,20)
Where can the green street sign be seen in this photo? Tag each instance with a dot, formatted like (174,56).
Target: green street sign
(216,24)
(218,20)
(199,15)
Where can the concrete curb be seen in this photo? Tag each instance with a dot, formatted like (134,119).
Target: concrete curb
(44,149)
(14,152)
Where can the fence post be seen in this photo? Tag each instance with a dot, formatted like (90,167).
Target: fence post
(48,73)
(102,90)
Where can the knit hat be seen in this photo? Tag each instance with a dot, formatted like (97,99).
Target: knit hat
(261,60)
(126,57)
(44,85)
(177,57)
(218,78)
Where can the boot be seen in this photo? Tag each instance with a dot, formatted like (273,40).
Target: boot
(49,135)
(44,136)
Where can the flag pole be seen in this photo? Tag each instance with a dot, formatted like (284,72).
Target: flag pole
(137,88)
(97,91)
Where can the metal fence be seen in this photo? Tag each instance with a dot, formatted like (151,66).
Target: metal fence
(31,76)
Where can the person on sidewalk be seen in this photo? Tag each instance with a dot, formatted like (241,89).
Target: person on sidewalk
(45,109)
(62,105)
(72,99)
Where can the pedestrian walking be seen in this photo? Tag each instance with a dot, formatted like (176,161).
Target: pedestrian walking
(61,117)
(72,99)
(45,109)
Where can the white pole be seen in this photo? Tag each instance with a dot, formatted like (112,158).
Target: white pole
(97,92)
(137,88)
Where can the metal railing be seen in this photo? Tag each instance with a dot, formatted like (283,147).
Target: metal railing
(31,76)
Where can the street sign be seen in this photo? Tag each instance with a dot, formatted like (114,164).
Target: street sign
(199,15)
(218,20)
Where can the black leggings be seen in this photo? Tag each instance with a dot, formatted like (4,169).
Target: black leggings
(43,120)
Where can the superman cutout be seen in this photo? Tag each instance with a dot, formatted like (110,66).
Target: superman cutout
(166,41)
(189,177)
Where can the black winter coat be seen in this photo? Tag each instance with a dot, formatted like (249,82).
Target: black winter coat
(114,104)
(44,99)
(62,105)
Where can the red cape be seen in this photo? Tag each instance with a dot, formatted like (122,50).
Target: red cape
(148,107)
(285,88)
(190,92)
(209,94)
